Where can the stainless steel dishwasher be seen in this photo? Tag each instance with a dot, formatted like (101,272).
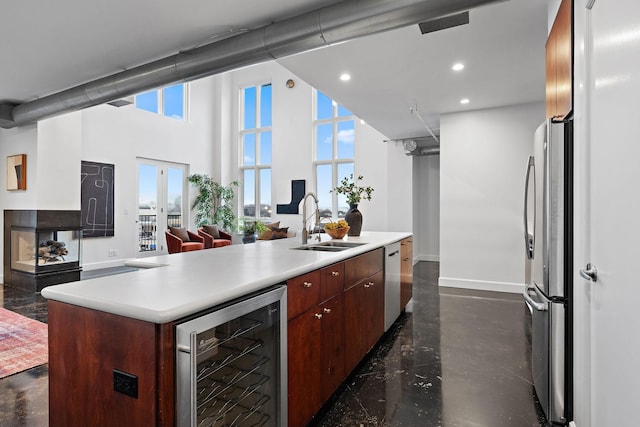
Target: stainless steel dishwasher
(232,364)
(391,284)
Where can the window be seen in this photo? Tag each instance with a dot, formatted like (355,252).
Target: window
(334,131)
(169,101)
(255,150)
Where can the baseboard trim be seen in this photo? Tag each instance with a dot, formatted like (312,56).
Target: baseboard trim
(430,258)
(481,285)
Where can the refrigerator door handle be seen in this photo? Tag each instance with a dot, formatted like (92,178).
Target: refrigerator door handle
(540,306)
(529,238)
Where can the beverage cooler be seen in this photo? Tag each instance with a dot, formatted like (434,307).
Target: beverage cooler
(232,364)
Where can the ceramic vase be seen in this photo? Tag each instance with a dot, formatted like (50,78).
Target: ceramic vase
(354,219)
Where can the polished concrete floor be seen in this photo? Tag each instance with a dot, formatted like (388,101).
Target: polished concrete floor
(461,358)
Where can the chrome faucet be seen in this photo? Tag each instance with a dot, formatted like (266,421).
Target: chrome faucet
(305,232)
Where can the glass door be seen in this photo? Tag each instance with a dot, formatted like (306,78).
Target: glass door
(161,187)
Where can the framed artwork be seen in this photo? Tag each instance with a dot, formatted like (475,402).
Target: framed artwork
(97,203)
(17,172)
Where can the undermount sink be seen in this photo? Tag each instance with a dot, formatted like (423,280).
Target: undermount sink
(340,244)
(330,246)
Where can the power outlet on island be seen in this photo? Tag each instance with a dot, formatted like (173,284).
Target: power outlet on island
(125,383)
(112,253)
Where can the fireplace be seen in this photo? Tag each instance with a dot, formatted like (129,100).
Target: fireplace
(41,248)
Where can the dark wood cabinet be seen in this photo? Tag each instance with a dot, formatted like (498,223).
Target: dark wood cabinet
(332,346)
(362,266)
(304,344)
(406,271)
(329,339)
(559,64)
(303,292)
(331,281)
(363,318)
(85,348)
(315,342)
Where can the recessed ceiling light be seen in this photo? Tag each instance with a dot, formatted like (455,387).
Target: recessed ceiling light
(464,101)
(458,66)
(345,77)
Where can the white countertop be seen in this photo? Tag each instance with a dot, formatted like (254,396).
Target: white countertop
(190,282)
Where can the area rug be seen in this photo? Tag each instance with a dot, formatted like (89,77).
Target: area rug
(23,343)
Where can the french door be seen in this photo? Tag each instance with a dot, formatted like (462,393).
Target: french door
(162,188)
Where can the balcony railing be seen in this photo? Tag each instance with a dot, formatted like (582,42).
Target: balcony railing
(147,230)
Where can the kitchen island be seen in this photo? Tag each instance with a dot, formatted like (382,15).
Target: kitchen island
(128,321)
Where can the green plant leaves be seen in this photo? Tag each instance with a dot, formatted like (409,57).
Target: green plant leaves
(212,204)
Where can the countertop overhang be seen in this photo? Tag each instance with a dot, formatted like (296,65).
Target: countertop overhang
(187,283)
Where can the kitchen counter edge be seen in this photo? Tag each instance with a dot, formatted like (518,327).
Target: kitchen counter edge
(185,284)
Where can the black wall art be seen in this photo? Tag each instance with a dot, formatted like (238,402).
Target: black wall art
(97,199)
(297,193)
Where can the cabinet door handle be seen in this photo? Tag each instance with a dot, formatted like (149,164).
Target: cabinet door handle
(318,316)
(368,285)
(327,310)
(335,273)
(307,284)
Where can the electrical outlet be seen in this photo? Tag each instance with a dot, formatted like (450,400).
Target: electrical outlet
(125,383)
(112,253)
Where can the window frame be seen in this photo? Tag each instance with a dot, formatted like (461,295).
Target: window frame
(160,95)
(335,161)
(257,167)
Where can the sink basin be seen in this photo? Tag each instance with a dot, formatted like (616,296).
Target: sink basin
(321,248)
(339,244)
(330,246)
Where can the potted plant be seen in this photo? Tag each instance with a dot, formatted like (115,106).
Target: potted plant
(354,194)
(251,229)
(213,203)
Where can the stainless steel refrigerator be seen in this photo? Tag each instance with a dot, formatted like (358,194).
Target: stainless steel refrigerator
(548,213)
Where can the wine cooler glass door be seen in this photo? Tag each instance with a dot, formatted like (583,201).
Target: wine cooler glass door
(232,364)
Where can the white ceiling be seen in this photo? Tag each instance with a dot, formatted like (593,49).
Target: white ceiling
(51,46)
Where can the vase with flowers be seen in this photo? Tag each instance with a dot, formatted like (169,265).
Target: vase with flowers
(354,193)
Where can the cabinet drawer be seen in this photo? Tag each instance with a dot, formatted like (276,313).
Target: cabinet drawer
(331,281)
(363,266)
(303,292)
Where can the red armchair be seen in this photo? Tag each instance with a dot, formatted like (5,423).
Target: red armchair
(182,240)
(210,241)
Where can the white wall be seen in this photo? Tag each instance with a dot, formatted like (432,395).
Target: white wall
(426,242)
(59,145)
(292,152)
(482,168)
(119,136)
(207,143)
(552,11)
(22,140)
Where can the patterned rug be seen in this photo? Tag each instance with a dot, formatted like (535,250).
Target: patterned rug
(23,343)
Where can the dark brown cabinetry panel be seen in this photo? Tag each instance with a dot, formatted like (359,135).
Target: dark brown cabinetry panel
(303,292)
(559,64)
(331,281)
(315,341)
(85,346)
(362,266)
(304,358)
(332,346)
(363,319)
